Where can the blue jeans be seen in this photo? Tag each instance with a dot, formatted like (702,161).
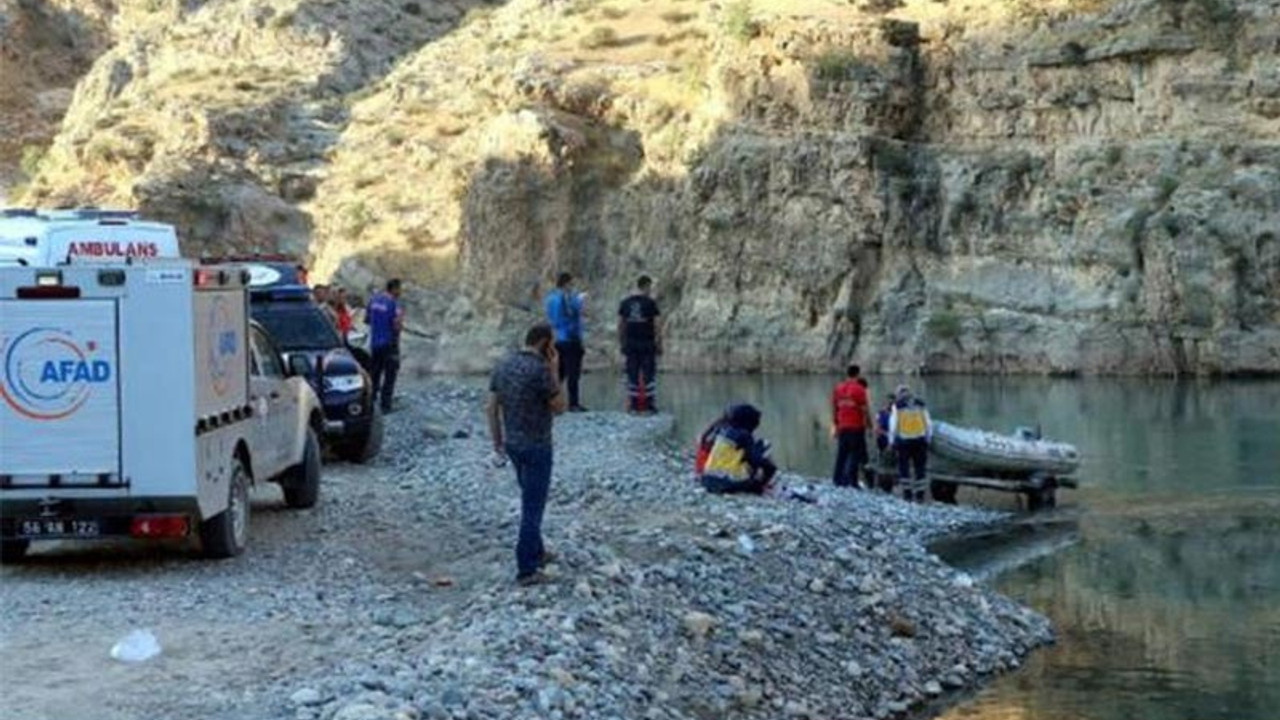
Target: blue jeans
(533,473)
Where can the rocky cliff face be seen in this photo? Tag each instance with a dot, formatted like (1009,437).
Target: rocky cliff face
(1070,186)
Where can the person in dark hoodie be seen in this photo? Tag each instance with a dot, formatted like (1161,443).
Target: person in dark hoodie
(739,462)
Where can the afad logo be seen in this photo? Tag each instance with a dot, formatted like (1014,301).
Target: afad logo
(224,346)
(49,375)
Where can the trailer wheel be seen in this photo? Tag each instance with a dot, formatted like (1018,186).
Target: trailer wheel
(225,535)
(302,483)
(1043,493)
(365,447)
(12,551)
(944,492)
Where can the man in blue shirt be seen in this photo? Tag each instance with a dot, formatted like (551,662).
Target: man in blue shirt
(564,312)
(385,319)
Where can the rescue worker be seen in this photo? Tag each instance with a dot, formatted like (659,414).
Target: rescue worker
(910,430)
(850,417)
(707,439)
(385,319)
(738,461)
(640,336)
(564,312)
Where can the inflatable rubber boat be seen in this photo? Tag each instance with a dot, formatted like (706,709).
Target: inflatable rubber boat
(1021,453)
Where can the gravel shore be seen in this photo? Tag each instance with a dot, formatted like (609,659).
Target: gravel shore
(394,598)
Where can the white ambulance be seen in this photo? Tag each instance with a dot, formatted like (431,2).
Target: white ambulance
(47,238)
(138,400)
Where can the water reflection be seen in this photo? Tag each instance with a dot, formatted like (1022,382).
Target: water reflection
(1168,605)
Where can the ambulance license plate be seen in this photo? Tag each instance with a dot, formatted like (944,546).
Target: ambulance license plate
(59,528)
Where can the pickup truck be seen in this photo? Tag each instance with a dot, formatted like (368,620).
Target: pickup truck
(138,399)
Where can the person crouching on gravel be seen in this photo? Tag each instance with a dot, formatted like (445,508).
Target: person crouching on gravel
(524,397)
(738,461)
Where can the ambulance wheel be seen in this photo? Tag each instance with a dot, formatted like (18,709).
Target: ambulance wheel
(366,446)
(224,535)
(13,550)
(302,482)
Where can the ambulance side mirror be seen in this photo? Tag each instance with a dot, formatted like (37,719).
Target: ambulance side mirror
(299,365)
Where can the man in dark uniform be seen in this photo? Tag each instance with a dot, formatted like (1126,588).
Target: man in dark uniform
(385,318)
(641,340)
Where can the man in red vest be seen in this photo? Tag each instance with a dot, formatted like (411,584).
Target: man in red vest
(851,416)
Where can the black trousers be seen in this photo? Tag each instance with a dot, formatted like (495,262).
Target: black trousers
(851,457)
(913,455)
(384,366)
(571,353)
(642,381)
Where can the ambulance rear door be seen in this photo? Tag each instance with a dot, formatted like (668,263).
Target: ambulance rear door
(59,391)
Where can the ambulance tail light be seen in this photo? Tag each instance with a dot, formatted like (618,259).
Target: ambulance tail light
(160,526)
(209,278)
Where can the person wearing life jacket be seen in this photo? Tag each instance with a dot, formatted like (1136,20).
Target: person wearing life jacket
(850,416)
(707,439)
(910,430)
(738,461)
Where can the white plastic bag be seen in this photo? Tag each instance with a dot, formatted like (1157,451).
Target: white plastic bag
(136,647)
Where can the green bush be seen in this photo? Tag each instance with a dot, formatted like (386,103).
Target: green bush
(842,65)
(944,325)
(356,219)
(892,158)
(600,37)
(1166,186)
(32,158)
(739,23)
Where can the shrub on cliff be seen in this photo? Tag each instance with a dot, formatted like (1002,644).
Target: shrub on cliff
(739,22)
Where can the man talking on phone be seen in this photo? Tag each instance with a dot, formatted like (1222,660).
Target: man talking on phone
(524,398)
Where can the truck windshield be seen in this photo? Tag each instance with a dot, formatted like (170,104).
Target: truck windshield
(297,326)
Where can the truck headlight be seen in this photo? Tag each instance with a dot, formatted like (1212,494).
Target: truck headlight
(343,383)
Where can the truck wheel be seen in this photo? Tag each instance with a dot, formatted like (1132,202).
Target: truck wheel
(302,481)
(362,356)
(224,535)
(365,447)
(12,551)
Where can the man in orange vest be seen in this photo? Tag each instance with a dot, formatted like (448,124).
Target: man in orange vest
(910,430)
(850,418)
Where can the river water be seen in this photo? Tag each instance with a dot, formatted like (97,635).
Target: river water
(1163,573)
